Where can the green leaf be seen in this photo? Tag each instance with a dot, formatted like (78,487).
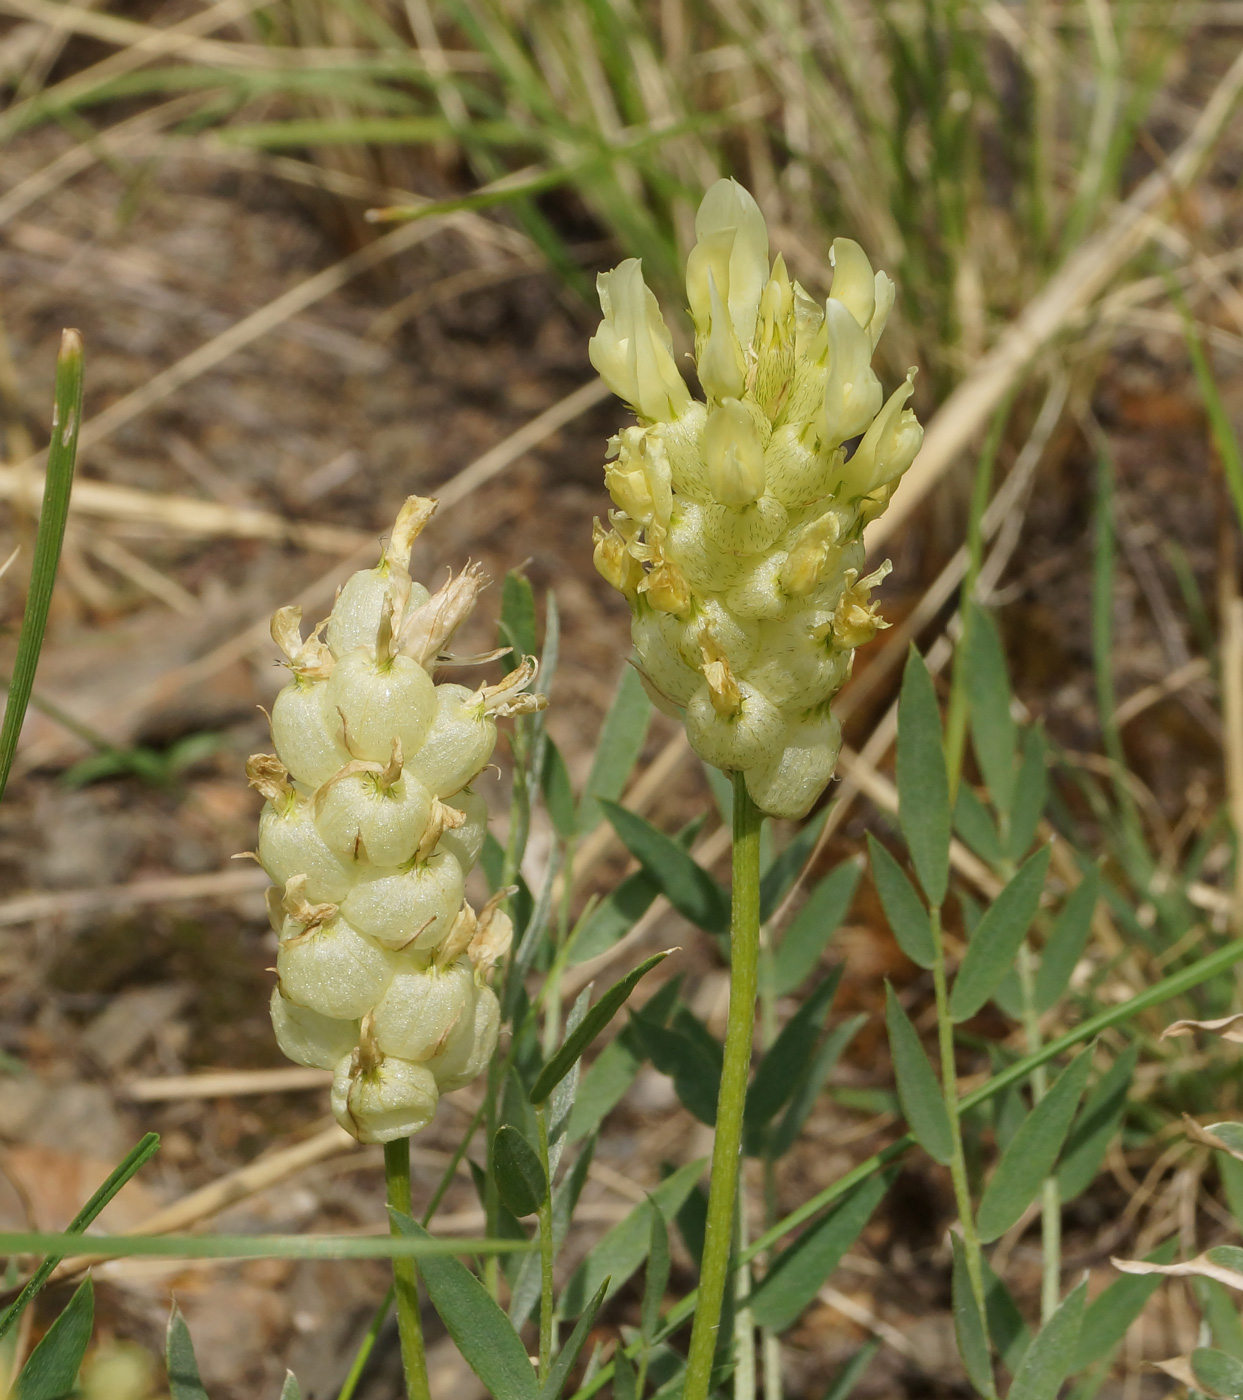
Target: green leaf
(1064,946)
(777,880)
(1031,792)
(1094,1128)
(1218,1373)
(988,699)
(1030,1157)
(480,1330)
(800,1270)
(973,823)
(555,787)
(923,789)
(1049,1357)
(517,625)
(686,885)
(124,1170)
(603,1086)
(778,1073)
(692,1061)
(291,1390)
(907,916)
(968,1326)
(810,1082)
(618,749)
(592,1024)
(1222,1315)
(657,1278)
(814,924)
(559,1371)
(918,1090)
(1009,1333)
(184,1382)
(625,1246)
(995,943)
(61,454)
(625,1382)
(852,1372)
(51,1373)
(519,1173)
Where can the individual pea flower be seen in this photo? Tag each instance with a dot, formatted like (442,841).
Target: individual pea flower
(369,829)
(737,533)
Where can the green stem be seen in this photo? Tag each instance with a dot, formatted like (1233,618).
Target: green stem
(350,1383)
(1050,1199)
(958,1162)
(406,1275)
(744,1319)
(545,1251)
(722,1191)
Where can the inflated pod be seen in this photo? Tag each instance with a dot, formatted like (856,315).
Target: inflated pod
(382,965)
(308,1038)
(384,1101)
(410,909)
(415,1016)
(368,814)
(737,538)
(332,968)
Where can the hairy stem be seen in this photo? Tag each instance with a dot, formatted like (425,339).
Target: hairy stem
(722,1191)
(405,1275)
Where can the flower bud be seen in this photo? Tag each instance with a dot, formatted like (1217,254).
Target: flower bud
(332,968)
(380,699)
(632,350)
(369,812)
(307,732)
(307,1038)
(470,1045)
(383,1098)
(791,777)
(410,910)
(852,393)
(734,454)
(888,447)
(415,1015)
(854,283)
(728,208)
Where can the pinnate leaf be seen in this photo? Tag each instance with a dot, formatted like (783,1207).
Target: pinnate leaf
(51,1373)
(996,940)
(918,1090)
(685,884)
(907,916)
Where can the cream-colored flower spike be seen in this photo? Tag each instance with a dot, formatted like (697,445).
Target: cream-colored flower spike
(369,830)
(737,533)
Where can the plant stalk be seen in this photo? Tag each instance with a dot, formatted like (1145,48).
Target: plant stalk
(545,1250)
(1050,1198)
(723,1188)
(958,1162)
(406,1275)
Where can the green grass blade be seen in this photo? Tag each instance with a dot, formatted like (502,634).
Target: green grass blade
(249,1246)
(62,452)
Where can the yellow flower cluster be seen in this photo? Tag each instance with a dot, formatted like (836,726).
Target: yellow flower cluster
(369,830)
(737,533)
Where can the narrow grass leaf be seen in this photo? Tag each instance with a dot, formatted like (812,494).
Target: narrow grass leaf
(1031,792)
(657,1276)
(996,940)
(815,923)
(778,1073)
(518,1171)
(1217,1373)
(249,1246)
(851,1374)
(776,881)
(617,752)
(907,916)
(968,1325)
(121,1173)
(973,823)
(51,1373)
(1095,1127)
(586,1031)
(1066,941)
(918,1090)
(555,788)
(625,1246)
(480,1330)
(988,705)
(686,885)
(923,788)
(1225,439)
(1049,1357)
(184,1382)
(1030,1157)
(62,453)
(559,1371)
(800,1270)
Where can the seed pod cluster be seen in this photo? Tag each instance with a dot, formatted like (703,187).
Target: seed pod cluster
(369,830)
(737,537)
